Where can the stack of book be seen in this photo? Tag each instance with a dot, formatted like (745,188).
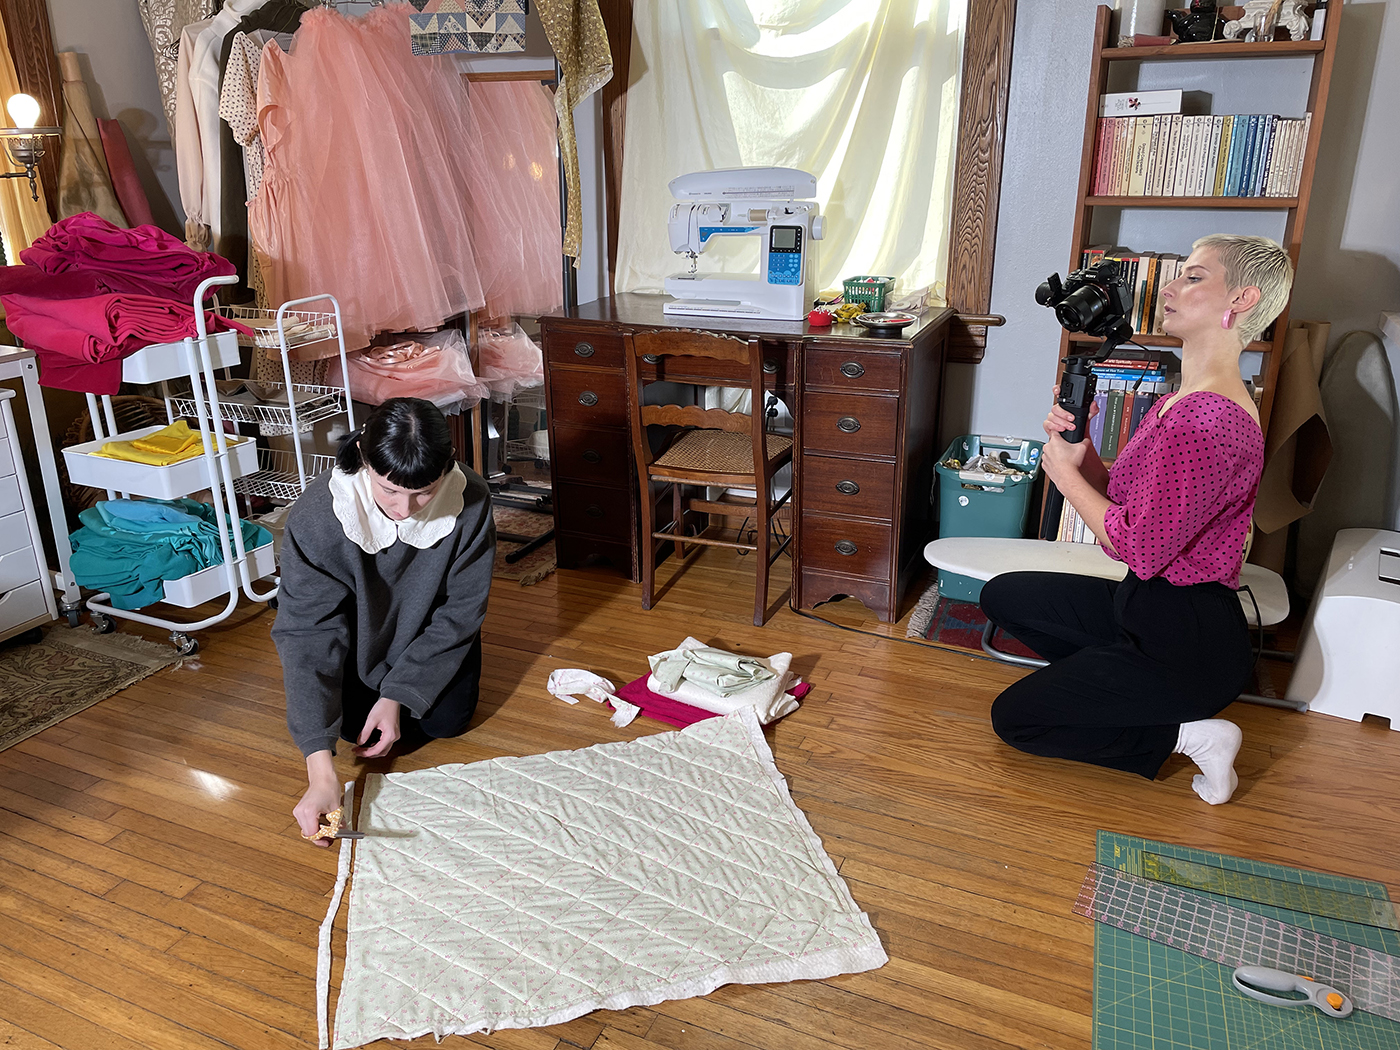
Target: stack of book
(1146,273)
(1170,155)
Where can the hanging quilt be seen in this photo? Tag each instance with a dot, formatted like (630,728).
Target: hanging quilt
(440,27)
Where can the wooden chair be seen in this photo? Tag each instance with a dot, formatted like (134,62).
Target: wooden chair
(714,449)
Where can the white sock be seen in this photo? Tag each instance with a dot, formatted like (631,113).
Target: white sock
(1212,744)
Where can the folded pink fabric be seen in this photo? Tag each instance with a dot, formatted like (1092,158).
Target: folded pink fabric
(131,195)
(30,280)
(96,332)
(144,260)
(673,712)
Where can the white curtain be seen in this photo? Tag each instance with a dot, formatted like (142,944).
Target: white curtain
(862,93)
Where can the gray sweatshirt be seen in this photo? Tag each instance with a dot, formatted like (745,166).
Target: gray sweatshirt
(407,618)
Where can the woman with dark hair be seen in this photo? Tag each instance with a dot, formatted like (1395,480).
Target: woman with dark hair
(386,567)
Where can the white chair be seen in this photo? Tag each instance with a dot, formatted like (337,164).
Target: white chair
(1349,657)
(982,557)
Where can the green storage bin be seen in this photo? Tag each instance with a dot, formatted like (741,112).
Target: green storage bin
(977,504)
(868,290)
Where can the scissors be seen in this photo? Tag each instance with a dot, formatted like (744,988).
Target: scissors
(1261,982)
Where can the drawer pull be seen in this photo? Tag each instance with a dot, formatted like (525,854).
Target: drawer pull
(847,488)
(588,399)
(651,359)
(771,367)
(584,349)
(590,456)
(846,547)
(848,424)
(593,510)
(853,370)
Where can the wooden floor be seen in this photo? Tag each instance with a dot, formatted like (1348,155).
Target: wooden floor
(154,891)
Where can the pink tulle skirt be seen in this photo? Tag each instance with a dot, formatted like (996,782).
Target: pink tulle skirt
(434,367)
(385,187)
(509,361)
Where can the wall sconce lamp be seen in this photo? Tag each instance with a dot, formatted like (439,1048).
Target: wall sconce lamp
(24,143)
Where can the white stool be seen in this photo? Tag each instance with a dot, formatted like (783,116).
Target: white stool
(983,558)
(1349,660)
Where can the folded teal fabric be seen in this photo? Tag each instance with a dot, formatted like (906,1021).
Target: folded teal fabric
(128,548)
(716,671)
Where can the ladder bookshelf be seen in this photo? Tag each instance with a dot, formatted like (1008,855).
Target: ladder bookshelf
(1104,56)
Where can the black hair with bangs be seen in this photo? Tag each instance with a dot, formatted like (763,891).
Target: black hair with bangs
(405,440)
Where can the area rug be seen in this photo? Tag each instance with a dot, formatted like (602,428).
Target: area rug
(536,565)
(522,892)
(71,669)
(957,625)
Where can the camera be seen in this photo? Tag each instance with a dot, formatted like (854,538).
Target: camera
(1094,300)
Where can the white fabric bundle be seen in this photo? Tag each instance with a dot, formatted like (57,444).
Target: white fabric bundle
(768,700)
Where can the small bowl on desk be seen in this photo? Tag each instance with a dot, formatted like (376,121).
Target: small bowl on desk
(886,322)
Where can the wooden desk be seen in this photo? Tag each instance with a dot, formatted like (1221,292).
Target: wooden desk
(866,410)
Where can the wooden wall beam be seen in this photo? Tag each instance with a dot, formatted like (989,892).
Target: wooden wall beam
(986,89)
(31,46)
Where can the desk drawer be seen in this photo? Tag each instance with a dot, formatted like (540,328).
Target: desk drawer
(10,497)
(848,486)
(854,424)
(598,456)
(22,605)
(594,510)
(850,547)
(852,370)
(18,568)
(14,533)
(584,347)
(595,399)
(7,458)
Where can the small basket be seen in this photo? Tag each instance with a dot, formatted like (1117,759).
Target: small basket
(868,290)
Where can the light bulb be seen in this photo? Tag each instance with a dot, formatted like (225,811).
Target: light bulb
(24,110)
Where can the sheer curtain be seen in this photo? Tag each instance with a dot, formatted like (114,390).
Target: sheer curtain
(862,93)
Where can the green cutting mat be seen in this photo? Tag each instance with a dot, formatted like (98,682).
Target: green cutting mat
(1147,995)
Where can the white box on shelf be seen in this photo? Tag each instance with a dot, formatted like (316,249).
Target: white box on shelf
(162,361)
(142,479)
(208,584)
(1140,103)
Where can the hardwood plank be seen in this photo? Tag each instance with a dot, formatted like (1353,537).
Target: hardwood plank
(18,1039)
(72,1030)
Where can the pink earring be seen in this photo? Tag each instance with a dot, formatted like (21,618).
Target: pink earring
(1226,321)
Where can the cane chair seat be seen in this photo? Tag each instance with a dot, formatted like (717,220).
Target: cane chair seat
(716,452)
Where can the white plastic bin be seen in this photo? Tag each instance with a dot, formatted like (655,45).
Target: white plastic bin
(162,361)
(142,479)
(208,584)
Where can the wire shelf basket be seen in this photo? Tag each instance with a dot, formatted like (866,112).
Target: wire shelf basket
(531,398)
(276,476)
(301,326)
(527,450)
(314,403)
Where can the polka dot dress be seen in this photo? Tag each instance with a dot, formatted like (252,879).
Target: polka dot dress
(1183,491)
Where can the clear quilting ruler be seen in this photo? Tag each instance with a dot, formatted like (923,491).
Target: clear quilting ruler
(1226,882)
(1235,937)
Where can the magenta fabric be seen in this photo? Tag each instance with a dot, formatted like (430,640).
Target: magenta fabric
(1182,492)
(80,343)
(127,184)
(30,280)
(673,712)
(144,260)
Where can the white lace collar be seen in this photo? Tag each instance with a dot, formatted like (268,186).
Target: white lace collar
(370,529)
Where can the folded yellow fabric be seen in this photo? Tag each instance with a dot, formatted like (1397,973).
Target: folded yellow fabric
(131,452)
(177,437)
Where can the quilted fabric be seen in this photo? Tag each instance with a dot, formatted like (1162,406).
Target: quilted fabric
(527,891)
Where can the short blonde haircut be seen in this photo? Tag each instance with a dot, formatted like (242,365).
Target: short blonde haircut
(1253,262)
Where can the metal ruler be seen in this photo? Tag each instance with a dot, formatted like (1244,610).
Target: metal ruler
(1235,937)
(1313,900)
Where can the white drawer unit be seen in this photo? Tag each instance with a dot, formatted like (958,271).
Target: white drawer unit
(25,599)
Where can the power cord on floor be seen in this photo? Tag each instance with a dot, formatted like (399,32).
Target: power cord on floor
(895,638)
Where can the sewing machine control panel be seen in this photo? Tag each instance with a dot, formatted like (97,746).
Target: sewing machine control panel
(785,255)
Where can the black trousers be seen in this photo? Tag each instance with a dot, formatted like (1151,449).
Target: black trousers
(449,716)
(1129,662)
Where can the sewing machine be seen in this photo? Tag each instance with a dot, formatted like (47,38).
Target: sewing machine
(773,204)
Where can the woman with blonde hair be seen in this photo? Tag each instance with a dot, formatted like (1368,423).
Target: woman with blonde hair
(1139,668)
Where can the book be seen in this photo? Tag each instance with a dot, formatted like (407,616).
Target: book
(1096,180)
(1111,424)
(1141,404)
(1222,157)
(1065,521)
(1125,419)
(1206,186)
(1140,103)
(1154,142)
(1237,148)
(1302,155)
(1251,143)
(1261,155)
(1123,149)
(1096,420)
(1137,175)
(1173,149)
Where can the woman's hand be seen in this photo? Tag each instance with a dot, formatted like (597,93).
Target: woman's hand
(1061,420)
(383,716)
(322,797)
(1061,460)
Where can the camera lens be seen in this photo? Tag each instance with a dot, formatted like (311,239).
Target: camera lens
(1082,307)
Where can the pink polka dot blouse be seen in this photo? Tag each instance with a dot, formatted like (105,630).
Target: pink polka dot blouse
(1182,492)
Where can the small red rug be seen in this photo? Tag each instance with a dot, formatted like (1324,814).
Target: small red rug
(959,625)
